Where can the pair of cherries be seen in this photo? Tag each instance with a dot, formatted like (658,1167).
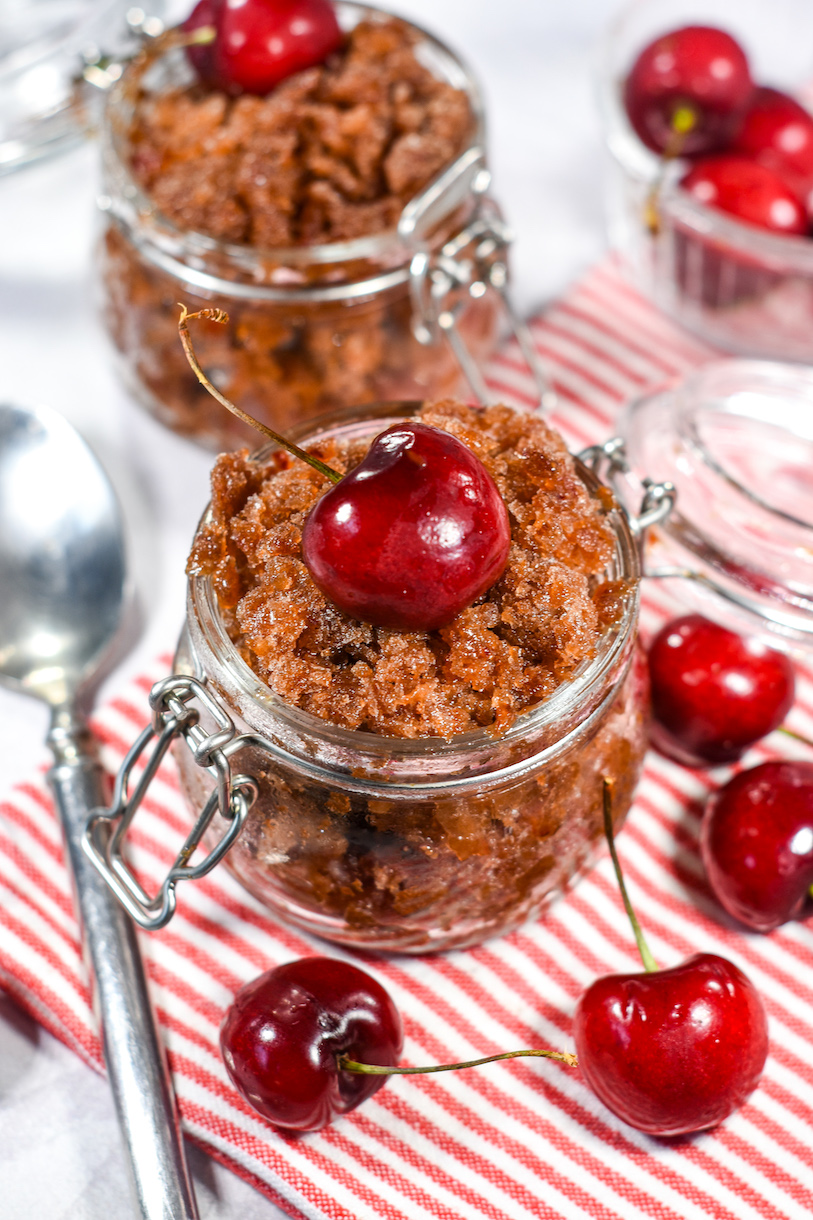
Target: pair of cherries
(714,694)
(690,94)
(668,1051)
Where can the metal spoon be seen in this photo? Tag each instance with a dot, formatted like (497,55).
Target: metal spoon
(62,576)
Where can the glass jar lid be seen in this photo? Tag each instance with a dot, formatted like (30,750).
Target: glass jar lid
(736,440)
(52,55)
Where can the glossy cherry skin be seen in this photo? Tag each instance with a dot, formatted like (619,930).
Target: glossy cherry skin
(757,843)
(699,69)
(673,1051)
(281,1037)
(748,190)
(413,535)
(778,132)
(259,43)
(714,693)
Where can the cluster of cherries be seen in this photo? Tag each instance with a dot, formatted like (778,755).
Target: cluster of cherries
(690,95)
(414,533)
(669,1051)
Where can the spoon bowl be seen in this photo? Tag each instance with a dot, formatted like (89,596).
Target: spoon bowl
(62,564)
(63,582)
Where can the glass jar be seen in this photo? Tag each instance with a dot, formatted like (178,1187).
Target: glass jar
(408,845)
(396,315)
(429,844)
(741,288)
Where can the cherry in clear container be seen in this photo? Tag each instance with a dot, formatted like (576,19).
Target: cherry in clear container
(741,288)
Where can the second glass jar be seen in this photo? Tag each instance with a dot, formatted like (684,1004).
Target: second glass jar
(311,327)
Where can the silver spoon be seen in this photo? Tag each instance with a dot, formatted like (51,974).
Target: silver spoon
(62,577)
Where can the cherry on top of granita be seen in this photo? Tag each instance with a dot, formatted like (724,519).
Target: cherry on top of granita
(258,43)
(511,649)
(412,535)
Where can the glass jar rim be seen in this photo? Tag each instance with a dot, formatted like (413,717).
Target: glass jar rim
(163,230)
(559,708)
(733,437)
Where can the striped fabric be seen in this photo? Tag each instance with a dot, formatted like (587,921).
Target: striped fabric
(517,1140)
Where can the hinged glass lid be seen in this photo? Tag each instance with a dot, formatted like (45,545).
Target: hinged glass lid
(56,59)
(736,439)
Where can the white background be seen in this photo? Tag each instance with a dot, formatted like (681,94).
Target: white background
(59,1152)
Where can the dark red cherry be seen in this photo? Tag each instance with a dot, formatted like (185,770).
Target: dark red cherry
(411,536)
(687,90)
(259,43)
(757,843)
(282,1035)
(672,1051)
(748,190)
(778,132)
(714,693)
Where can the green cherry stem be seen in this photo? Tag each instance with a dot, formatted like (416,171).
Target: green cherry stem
(647,959)
(684,120)
(371,1069)
(220,316)
(796,736)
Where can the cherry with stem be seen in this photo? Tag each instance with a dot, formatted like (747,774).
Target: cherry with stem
(259,43)
(314,1038)
(408,538)
(670,1051)
(687,90)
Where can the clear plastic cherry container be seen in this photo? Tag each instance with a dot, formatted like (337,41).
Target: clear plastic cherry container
(743,289)
(408,312)
(391,843)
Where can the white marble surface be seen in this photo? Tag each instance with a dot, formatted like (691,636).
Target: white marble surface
(59,1150)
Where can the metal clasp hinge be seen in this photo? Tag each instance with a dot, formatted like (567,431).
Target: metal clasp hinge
(175,715)
(609,463)
(469,263)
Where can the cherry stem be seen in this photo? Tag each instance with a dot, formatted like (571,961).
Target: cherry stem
(372,1069)
(683,121)
(219,315)
(201,37)
(805,741)
(647,959)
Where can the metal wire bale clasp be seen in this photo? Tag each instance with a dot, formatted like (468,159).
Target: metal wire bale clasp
(176,702)
(469,263)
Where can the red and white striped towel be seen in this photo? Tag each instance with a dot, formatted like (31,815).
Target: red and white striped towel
(508,1142)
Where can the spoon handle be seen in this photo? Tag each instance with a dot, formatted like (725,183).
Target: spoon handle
(133,1051)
